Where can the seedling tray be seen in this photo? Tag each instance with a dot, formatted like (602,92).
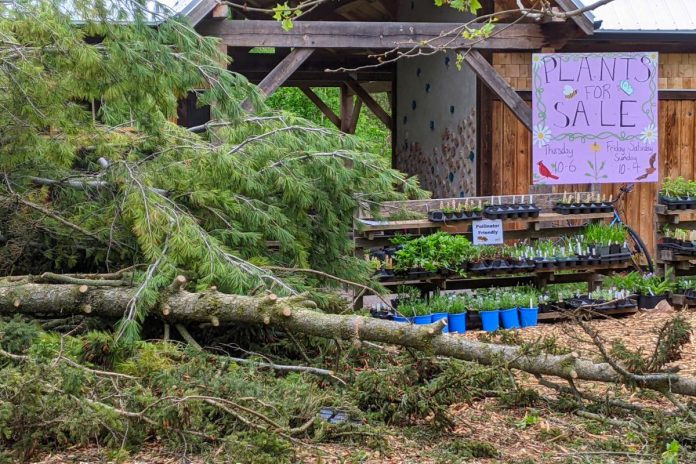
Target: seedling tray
(511,211)
(440,216)
(583,208)
(678,203)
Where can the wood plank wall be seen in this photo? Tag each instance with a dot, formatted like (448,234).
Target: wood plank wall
(512,163)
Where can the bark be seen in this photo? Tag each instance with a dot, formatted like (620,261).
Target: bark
(293,313)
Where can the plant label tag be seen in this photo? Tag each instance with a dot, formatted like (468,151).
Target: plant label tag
(488,232)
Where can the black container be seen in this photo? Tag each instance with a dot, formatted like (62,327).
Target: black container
(385,274)
(677,203)
(508,211)
(473,320)
(583,208)
(650,301)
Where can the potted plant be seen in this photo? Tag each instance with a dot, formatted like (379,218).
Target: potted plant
(508,311)
(604,239)
(457,314)
(652,290)
(528,303)
(583,203)
(678,193)
(472,209)
(439,308)
(490,314)
(436,253)
(417,310)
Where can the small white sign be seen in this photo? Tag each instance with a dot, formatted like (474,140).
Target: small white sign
(488,232)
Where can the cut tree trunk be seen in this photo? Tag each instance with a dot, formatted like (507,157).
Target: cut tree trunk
(179,306)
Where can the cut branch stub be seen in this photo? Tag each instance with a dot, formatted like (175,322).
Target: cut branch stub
(179,283)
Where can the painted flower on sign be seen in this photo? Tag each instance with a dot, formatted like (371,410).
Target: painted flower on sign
(649,134)
(542,135)
(536,62)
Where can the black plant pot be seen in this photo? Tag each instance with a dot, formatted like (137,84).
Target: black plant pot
(436,216)
(473,320)
(650,301)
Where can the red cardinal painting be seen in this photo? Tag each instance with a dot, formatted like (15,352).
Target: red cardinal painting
(545,172)
(649,170)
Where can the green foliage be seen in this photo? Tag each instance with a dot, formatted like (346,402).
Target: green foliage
(17,335)
(434,252)
(604,234)
(671,453)
(411,393)
(671,338)
(370,130)
(202,205)
(678,188)
(46,402)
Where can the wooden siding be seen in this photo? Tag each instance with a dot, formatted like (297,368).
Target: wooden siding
(511,161)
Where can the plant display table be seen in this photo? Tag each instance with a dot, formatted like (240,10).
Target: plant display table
(528,218)
(675,230)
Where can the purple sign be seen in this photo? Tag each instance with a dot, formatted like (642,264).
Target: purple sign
(595,117)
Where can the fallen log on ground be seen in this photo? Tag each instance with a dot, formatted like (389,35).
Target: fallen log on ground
(295,313)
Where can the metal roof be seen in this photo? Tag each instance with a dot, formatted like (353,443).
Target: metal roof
(645,15)
(155,11)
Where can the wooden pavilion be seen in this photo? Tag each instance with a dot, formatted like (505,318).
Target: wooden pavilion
(463,132)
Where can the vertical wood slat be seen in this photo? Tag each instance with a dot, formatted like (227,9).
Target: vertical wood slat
(497,143)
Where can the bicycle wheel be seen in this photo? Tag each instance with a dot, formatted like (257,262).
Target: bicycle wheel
(641,248)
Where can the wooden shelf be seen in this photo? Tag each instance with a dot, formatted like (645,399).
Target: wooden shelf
(373,233)
(670,261)
(538,276)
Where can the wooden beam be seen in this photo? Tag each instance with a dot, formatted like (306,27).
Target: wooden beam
(284,70)
(582,21)
(323,107)
(494,81)
(201,11)
(370,102)
(370,35)
(221,11)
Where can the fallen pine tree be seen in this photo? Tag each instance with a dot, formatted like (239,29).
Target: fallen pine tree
(180,307)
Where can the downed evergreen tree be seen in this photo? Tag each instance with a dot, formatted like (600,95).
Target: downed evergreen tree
(108,209)
(97,177)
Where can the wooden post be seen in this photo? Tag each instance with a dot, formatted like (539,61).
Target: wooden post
(346,107)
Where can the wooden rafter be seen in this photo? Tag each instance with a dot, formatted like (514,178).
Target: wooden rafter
(370,102)
(284,70)
(582,21)
(498,85)
(323,107)
(370,35)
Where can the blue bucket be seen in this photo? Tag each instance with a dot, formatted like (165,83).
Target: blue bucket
(490,320)
(529,316)
(457,323)
(400,319)
(422,319)
(510,318)
(434,317)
